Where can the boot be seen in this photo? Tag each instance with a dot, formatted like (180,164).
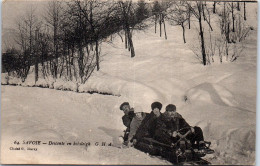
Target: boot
(203,148)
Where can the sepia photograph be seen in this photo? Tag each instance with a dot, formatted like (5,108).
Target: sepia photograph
(128,82)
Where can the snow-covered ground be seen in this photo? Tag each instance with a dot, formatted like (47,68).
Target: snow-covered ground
(220,98)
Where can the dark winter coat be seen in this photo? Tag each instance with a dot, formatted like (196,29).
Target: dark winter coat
(147,127)
(166,125)
(128,118)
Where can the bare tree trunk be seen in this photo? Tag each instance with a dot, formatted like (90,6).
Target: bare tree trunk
(72,62)
(43,65)
(66,53)
(160,22)
(227,33)
(75,71)
(233,17)
(244,10)
(55,68)
(214,7)
(129,47)
(189,17)
(55,44)
(165,34)
(226,51)
(155,23)
(80,62)
(131,44)
(203,12)
(183,32)
(97,56)
(69,65)
(62,66)
(87,48)
(201,35)
(209,20)
(36,69)
(126,37)
(223,30)
(238,6)
(55,72)
(49,67)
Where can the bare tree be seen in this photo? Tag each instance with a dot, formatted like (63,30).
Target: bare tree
(189,15)
(159,12)
(26,27)
(197,10)
(238,6)
(155,11)
(141,11)
(244,10)
(91,25)
(214,7)
(53,18)
(43,49)
(78,12)
(233,16)
(225,21)
(179,14)
(126,10)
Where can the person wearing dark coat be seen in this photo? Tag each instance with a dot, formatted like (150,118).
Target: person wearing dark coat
(167,124)
(170,122)
(147,127)
(127,118)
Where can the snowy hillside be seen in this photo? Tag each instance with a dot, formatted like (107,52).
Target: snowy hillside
(220,98)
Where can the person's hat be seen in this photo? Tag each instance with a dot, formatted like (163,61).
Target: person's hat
(156,105)
(170,107)
(123,104)
(138,109)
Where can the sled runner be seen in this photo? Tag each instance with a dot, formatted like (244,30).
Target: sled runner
(181,152)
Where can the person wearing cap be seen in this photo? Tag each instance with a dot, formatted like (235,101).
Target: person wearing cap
(147,127)
(127,118)
(170,122)
(167,125)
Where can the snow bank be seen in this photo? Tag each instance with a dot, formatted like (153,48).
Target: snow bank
(136,93)
(212,93)
(47,82)
(69,117)
(231,129)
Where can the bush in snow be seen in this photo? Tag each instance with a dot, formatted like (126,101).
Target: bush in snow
(224,40)
(58,85)
(71,86)
(29,81)
(4,78)
(14,81)
(42,83)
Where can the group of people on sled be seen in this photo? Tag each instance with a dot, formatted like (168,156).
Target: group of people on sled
(161,127)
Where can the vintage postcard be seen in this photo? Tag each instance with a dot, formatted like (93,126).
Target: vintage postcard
(136,82)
